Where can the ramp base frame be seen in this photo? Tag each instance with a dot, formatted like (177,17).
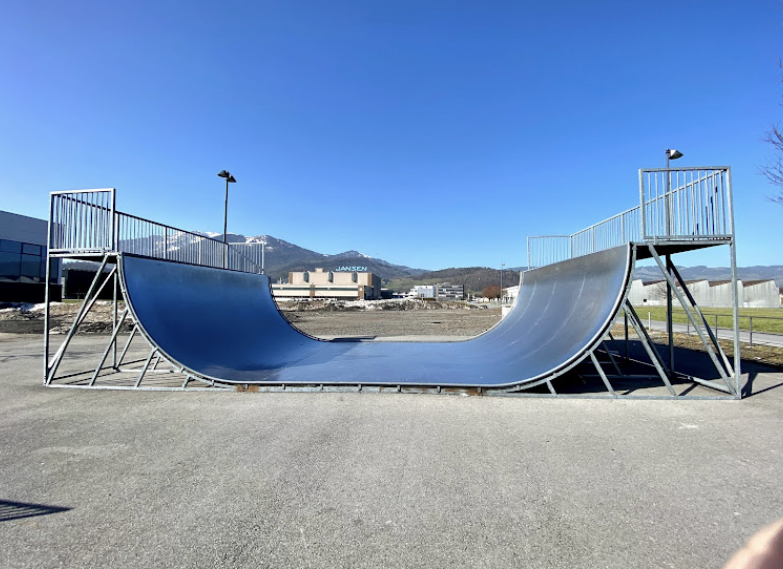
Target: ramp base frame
(116,368)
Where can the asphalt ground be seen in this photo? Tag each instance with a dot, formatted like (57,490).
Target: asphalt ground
(177,479)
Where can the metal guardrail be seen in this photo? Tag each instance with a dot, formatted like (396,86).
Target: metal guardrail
(676,205)
(686,204)
(716,328)
(87,222)
(547,249)
(82,220)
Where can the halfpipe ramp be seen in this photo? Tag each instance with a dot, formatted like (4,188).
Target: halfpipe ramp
(225,326)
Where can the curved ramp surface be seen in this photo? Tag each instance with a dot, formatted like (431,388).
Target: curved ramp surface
(225,326)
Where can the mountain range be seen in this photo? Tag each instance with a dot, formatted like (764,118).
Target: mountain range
(753,273)
(282,257)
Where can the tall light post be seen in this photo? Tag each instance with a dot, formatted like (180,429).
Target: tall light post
(671,154)
(501,284)
(229,180)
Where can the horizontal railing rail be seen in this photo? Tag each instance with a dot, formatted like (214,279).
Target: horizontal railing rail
(676,205)
(86,221)
(724,321)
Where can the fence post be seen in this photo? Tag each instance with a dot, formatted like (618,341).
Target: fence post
(751,331)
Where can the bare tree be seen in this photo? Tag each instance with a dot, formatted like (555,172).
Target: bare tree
(658,291)
(773,170)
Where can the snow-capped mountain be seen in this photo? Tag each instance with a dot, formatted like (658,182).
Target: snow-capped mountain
(282,257)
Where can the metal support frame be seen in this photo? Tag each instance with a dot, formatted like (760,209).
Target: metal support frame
(118,358)
(103,232)
(154,358)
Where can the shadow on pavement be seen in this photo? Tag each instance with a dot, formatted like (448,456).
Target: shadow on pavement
(18,510)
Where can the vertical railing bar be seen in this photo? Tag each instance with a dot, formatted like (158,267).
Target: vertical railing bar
(47,291)
(692,222)
(68,225)
(90,211)
(114,221)
(82,228)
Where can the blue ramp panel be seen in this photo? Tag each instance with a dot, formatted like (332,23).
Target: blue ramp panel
(225,326)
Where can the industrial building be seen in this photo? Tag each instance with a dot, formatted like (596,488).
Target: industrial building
(23,259)
(347,285)
(448,291)
(442,291)
(712,294)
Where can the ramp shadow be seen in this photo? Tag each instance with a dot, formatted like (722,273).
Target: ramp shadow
(17,510)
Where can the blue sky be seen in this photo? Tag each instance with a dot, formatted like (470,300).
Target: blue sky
(428,133)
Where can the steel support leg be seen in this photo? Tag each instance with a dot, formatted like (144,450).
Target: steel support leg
(112,343)
(146,365)
(600,371)
(649,347)
(672,286)
(127,345)
(89,301)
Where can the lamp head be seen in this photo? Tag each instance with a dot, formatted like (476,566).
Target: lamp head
(673,154)
(226,174)
(231,179)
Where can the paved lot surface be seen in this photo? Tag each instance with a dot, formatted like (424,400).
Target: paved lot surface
(162,479)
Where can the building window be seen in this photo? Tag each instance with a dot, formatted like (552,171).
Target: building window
(24,261)
(10,246)
(31,249)
(31,266)
(10,265)
(355,277)
(306,277)
(331,277)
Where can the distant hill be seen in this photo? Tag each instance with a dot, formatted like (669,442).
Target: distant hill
(283,257)
(475,279)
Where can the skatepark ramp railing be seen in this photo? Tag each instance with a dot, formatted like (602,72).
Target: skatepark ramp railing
(684,205)
(86,223)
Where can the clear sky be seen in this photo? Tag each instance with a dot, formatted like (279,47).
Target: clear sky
(429,133)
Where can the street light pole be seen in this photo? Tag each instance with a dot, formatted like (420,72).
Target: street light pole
(229,180)
(671,154)
(501,284)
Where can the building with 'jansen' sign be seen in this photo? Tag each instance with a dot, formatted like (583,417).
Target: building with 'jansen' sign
(348,285)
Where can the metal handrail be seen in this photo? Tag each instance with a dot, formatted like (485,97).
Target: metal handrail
(87,222)
(698,206)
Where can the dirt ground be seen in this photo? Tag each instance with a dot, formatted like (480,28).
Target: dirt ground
(329,321)
(62,315)
(392,323)
(316,320)
(762,354)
